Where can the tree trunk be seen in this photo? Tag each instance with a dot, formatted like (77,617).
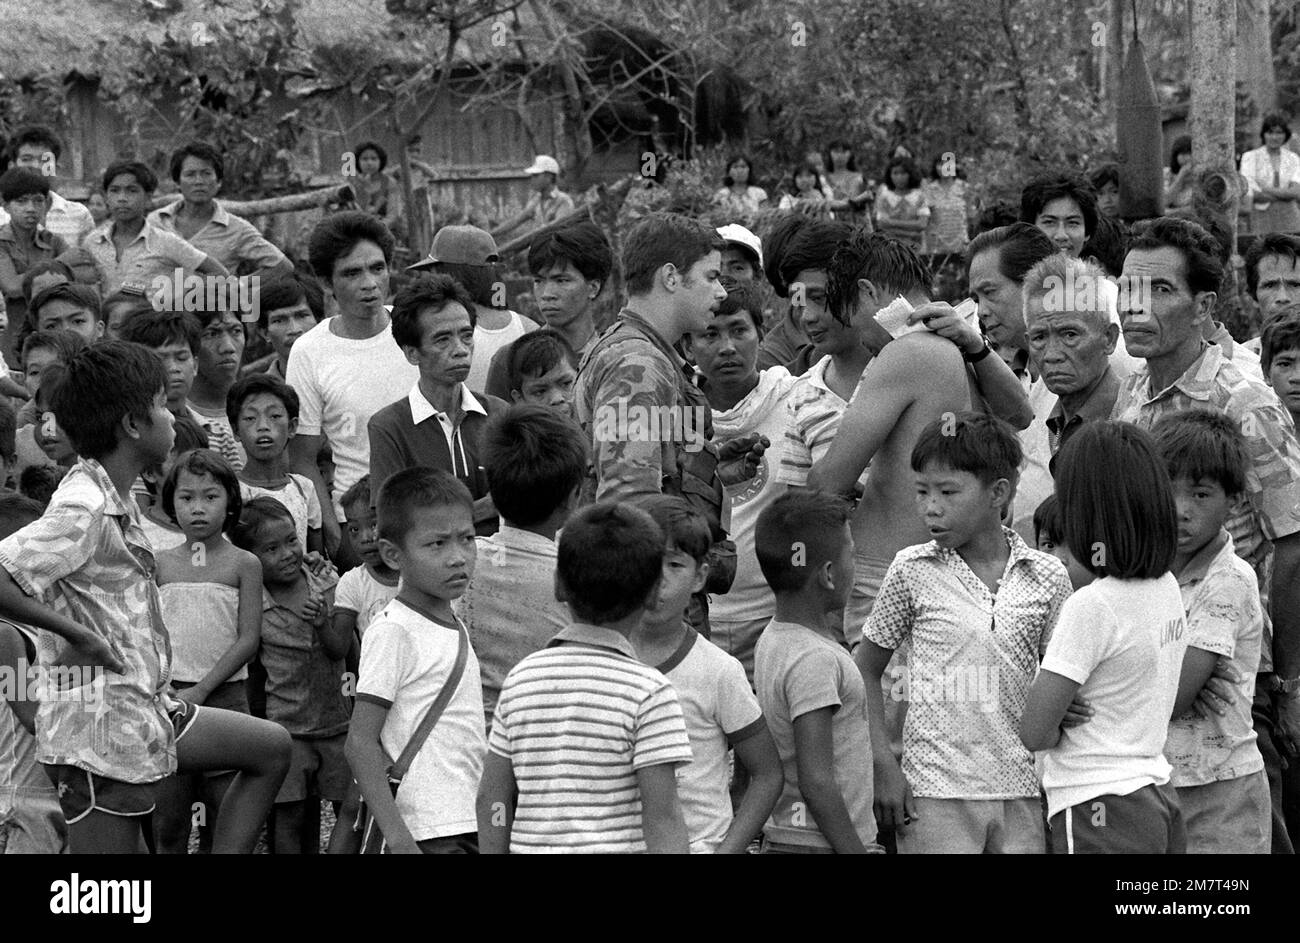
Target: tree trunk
(1255,57)
(1114,58)
(290,203)
(1213,74)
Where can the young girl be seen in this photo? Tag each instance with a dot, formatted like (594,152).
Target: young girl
(211,593)
(161,529)
(805,189)
(901,210)
(1119,645)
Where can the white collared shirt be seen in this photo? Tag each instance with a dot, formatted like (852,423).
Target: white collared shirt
(422,409)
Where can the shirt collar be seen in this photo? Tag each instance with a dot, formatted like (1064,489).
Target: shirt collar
(57,203)
(113,503)
(1096,407)
(1019,550)
(422,409)
(1199,565)
(518,537)
(219,214)
(599,636)
(679,656)
(1197,381)
(43,239)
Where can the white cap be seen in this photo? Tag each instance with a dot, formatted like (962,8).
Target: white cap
(542,164)
(734,232)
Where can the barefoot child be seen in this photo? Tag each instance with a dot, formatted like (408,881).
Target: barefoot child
(211,595)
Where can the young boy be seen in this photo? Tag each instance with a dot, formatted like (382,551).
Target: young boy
(1049,537)
(289,306)
(408,656)
(67,306)
(1280,360)
(363,591)
(221,349)
(1218,770)
(263,411)
(977,606)
(31,821)
(586,740)
(539,367)
(720,709)
(24,240)
(536,461)
(89,560)
(811,692)
(300,657)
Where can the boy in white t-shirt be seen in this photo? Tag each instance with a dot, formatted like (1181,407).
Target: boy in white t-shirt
(719,707)
(1218,768)
(363,591)
(1119,645)
(426,532)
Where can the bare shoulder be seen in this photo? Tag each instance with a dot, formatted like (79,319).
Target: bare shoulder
(919,360)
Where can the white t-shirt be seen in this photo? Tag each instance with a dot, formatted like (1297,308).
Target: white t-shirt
(405,661)
(487,343)
(1123,641)
(340,384)
(720,709)
(360,592)
(299,498)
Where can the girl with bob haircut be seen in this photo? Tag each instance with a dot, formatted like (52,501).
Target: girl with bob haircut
(1117,649)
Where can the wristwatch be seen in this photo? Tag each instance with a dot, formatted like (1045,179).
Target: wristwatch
(1286,688)
(980,354)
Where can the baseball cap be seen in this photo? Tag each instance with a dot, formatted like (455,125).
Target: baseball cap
(739,235)
(542,164)
(462,245)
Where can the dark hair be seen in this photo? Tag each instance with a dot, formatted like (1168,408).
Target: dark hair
(39,482)
(17,511)
(1217,226)
(799,242)
(256,513)
(1103,175)
(735,159)
(412,488)
(972,442)
(205,462)
(43,267)
(609,560)
(1020,246)
(156,329)
(811,520)
(51,377)
(337,235)
(839,144)
(1044,190)
(534,458)
(253,385)
(143,175)
(1199,249)
(807,170)
(581,243)
(479,282)
(18,182)
(1200,443)
(890,263)
(661,239)
(1117,503)
(741,296)
(1182,145)
(1280,333)
(535,354)
(83,296)
(63,342)
(425,291)
(8,431)
(1273,122)
(35,134)
(201,151)
(371,146)
(287,291)
(684,527)
(1108,244)
(1048,523)
(1273,243)
(189,435)
(359,493)
(104,383)
(909,165)
(138,304)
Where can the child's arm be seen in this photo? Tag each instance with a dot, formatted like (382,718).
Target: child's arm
(757,753)
(84,646)
(8,387)
(1198,665)
(661,812)
(815,759)
(1049,697)
(497,795)
(370,769)
(345,625)
(248,631)
(13,651)
(333,638)
(894,806)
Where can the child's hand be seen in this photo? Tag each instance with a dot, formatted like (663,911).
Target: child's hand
(319,566)
(1079,712)
(1220,691)
(895,808)
(89,649)
(314,608)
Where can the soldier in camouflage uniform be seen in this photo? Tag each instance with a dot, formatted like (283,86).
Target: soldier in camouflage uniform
(651,427)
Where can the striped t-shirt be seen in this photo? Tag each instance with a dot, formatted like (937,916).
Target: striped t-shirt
(577,721)
(815,414)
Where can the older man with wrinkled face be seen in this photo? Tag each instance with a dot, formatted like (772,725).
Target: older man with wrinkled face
(1070,338)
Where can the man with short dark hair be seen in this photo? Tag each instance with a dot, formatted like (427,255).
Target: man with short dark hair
(1273,272)
(24,240)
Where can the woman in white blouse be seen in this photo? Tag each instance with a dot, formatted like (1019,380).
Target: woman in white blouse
(737,194)
(1272,173)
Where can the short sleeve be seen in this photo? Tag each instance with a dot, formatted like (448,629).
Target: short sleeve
(737,706)
(179,251)
(1224,605)
(499,735)
(348,594)
(300,374)
(1082,637)
(811,682)
(796,457)
(1061,591)
(660,735)
(385,651)
(313,502)
(892,614)
(253,247)
(52,547)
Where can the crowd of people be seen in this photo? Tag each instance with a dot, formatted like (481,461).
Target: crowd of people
(881,574)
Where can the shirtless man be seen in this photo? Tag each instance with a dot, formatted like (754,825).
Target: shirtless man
(913,381)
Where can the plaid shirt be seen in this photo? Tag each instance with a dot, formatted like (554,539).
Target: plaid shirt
(88,559)
(1273,480)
